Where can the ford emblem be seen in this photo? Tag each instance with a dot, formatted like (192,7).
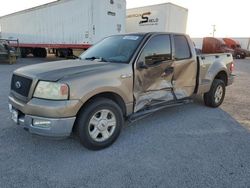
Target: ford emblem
(18,85)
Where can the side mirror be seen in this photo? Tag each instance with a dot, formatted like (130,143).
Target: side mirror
(141,65)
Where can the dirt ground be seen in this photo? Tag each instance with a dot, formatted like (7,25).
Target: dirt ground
(237,100)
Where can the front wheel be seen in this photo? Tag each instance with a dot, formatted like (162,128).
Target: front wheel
(216,94)
(99,124)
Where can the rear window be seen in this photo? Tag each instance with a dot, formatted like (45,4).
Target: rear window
(182,49)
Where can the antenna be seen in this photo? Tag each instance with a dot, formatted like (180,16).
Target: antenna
(248,44)
(214,29)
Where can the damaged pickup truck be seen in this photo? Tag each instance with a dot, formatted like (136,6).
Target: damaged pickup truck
(123,77)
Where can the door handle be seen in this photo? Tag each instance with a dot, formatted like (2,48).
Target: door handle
(169,70)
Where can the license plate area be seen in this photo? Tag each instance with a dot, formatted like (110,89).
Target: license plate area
(14,114)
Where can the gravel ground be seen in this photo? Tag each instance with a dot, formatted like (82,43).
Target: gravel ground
(185,146)
(237,102)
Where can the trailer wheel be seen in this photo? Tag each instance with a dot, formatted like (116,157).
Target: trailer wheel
(23,52)
(35,52)
(243,56)
(216,94)
(43,53)
(59,53)
(40,52)
(99,124)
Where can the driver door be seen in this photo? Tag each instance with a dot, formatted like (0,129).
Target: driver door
(154,73)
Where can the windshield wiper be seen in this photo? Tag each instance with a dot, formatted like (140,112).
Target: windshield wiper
(94,58)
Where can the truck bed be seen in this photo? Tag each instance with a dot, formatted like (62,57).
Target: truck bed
(210,65)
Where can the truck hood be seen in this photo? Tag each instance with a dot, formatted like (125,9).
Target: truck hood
(54,71)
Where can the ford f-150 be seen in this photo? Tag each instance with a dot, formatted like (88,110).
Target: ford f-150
(123,77)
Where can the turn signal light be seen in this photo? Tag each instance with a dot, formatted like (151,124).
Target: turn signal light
(232,67)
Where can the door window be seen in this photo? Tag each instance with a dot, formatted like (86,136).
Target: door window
(156,51)
(182,49)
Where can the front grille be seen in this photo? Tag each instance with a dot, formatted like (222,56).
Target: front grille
(21,85)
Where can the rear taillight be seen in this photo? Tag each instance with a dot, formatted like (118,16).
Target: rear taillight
(232,67)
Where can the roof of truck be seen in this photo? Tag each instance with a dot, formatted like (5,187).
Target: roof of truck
(152,33)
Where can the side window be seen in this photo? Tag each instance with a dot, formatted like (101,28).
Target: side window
(157,50)
(182,49)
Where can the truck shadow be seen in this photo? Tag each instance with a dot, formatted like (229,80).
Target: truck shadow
(193,120)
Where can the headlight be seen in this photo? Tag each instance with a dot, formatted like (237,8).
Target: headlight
(51,90)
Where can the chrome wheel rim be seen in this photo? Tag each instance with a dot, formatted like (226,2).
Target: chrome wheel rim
(102,125)
(218,94)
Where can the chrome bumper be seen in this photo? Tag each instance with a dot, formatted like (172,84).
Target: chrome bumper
(50,127)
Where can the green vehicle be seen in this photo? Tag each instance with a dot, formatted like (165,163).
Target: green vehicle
(8,53)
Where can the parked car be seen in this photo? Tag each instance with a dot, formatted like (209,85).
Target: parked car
(123,77)
(240,53)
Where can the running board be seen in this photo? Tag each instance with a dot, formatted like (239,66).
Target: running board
(144,113)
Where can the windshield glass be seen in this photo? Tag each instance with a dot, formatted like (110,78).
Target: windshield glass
(118,49)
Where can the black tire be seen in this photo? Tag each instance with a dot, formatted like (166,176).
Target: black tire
(243,56)
(40,52)
(23,52)
(43,53)
(59,53)
(83,123)
(36,52)
(209,97)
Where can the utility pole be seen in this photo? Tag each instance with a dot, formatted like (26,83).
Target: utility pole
(248,44)
(214,29)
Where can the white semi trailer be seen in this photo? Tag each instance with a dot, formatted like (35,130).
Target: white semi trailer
(165,17)
(64,25)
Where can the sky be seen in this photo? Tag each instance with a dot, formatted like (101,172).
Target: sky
(230,17)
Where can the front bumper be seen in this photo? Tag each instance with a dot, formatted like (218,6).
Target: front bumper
(51,127)
(45,118)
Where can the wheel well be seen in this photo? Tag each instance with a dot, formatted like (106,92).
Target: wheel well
(222,75)
(109,95)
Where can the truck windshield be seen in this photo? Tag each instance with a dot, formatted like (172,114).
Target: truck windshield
(117,49)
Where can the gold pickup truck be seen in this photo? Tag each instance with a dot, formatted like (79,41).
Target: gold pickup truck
(123,77)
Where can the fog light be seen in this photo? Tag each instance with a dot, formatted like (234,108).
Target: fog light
(41,123)
(10,108)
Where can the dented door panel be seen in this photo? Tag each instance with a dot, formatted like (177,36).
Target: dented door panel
(153,83)
(184,78)
(185,67)
(172,79)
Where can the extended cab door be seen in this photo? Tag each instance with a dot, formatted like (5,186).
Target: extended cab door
(185,67)
(154,72)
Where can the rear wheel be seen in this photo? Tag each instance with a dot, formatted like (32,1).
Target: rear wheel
(216,94)
(40,52)
(99,124)
(23,52)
